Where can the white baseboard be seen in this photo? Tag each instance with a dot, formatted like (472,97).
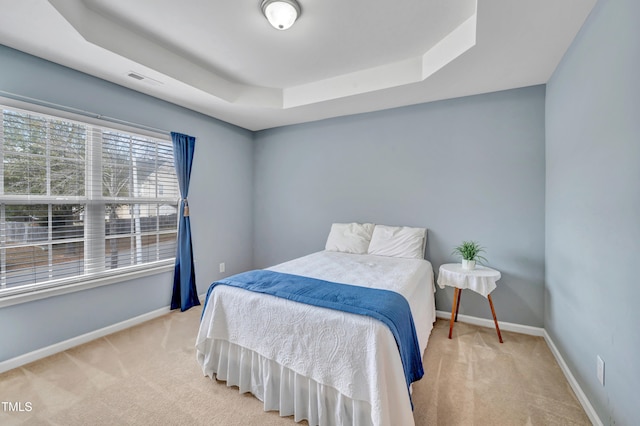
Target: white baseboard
(584,401)
(78,340)
(535,331)
(483,322)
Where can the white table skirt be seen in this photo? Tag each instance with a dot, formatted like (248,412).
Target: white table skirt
(482,280)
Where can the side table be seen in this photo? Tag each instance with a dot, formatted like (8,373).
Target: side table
(482,280)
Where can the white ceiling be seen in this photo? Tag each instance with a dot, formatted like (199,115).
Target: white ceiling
(223,59)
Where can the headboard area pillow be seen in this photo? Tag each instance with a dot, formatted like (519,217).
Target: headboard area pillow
(350,237)
(398,241)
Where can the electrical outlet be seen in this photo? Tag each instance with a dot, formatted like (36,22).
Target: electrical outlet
(222,267)
(600,370)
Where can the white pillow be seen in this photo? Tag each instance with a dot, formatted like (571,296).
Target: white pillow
(398,241)
(349,237)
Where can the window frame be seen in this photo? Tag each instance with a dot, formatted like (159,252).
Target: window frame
(30,292)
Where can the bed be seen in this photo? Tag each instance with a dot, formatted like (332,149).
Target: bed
(325,366)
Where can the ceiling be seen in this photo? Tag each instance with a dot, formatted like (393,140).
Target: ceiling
(223,59)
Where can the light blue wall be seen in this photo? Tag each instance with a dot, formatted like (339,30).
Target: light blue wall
(593,208)
(469,168)
(220,198)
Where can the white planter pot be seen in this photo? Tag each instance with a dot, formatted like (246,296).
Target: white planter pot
(468,264)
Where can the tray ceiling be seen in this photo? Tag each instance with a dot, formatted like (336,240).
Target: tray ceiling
(223,59)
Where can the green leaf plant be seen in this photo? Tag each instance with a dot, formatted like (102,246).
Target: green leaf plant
(470,250)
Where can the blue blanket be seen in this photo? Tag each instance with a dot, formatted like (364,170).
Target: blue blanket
(387,306)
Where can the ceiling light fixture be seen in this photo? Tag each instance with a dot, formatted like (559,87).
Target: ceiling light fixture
(281,14)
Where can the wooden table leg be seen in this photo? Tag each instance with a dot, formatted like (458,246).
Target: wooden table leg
(454,306)
(458,304)
(495,320)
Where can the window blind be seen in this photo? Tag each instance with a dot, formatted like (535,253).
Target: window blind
(79,201)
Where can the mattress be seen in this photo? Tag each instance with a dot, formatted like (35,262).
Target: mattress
(326,366)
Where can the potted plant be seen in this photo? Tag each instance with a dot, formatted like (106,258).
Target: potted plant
(470,253)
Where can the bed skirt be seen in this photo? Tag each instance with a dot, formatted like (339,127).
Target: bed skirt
(280,388)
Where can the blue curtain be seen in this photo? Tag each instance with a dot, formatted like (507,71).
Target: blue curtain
(185,294)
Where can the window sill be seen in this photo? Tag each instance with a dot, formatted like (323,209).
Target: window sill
(44,293)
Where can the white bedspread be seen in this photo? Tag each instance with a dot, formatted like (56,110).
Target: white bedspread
(353,354)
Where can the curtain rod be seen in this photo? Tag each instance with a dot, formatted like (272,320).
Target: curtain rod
(90,114)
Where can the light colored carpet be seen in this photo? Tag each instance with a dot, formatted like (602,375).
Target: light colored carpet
(148,375)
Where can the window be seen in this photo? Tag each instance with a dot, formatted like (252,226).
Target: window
(80,201)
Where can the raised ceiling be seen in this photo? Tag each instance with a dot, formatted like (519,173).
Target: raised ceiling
(341,57)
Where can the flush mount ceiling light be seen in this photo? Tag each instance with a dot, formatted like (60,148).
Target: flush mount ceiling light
(281,14)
